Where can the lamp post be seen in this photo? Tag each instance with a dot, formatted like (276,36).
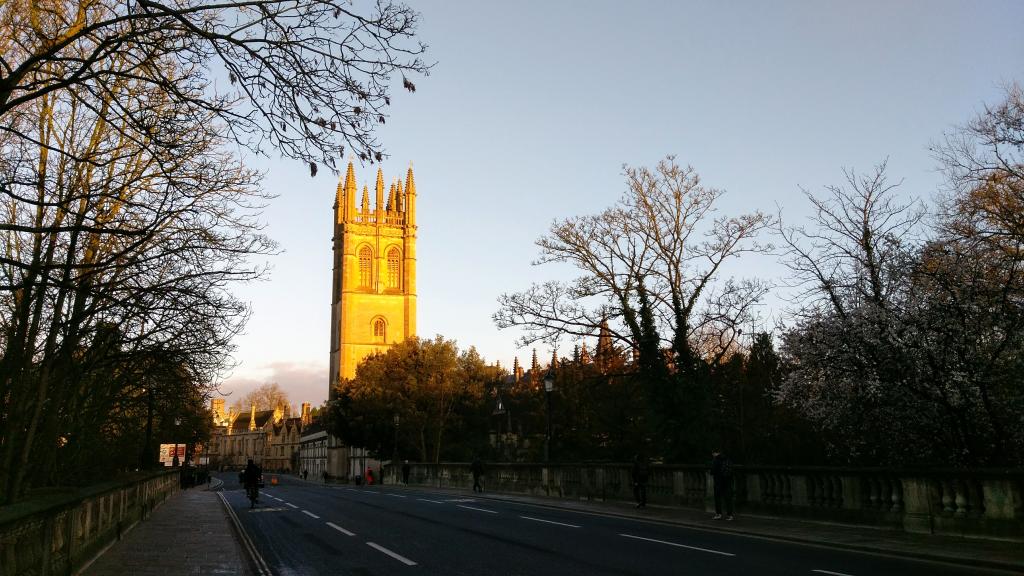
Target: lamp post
(394,455)
(175,462)
(549,385)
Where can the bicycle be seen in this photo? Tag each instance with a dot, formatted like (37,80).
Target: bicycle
(253,492)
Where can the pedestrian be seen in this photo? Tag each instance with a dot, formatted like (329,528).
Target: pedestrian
(721,474)
(477,468)
(369,476)
(641,472)
(405,472)
(305,474)
(324,474)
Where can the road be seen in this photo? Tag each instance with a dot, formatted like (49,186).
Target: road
(304,529)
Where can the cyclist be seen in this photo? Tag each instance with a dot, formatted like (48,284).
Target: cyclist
(252,475)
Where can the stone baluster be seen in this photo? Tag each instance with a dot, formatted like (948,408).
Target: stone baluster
(963,505)
(897,495)
(948,500)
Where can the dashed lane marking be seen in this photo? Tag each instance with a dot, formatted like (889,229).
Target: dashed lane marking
(831,573)
(290,504)
(395,495)
(310,514)
(549,521)
(398,557)
(678,545)
(429,500)
(478,509)
(340,529)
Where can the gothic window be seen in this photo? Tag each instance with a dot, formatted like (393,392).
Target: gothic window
(394,269)
(365,267)
(379,330)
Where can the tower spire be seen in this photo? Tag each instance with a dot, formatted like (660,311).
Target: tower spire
(380,194)
(366,202)
(410,195)
(349,192)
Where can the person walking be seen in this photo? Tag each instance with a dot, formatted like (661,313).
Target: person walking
(477,468)
(721,474)
(641,472)
(405,472)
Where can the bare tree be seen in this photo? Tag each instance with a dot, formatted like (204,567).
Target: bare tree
(116,259)
(306,77)
(661,242)
(269,396)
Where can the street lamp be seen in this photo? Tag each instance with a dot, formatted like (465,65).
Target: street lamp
(394,455)
(175,462)
(549,385)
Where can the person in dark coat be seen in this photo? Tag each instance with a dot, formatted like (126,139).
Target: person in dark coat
(641,473)
(477,468)
(405,472)
(721,474)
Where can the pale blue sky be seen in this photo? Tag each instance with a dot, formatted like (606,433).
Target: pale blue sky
(534,106)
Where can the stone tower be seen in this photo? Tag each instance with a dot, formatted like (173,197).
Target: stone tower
(373,297)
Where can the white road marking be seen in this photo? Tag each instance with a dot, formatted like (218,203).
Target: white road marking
(398,557)
(678,545)
(549,521)
(310,514)
(290,504)
(428,500)
(396,495)
(340,529)
(479,509)
(832,573)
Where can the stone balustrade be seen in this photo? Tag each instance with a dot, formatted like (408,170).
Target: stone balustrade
(57,532)
(969,503)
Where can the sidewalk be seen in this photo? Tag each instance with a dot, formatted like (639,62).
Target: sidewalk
(188,534)
(966,551)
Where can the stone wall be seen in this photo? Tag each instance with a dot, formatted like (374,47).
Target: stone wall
(56,533)
(968,503)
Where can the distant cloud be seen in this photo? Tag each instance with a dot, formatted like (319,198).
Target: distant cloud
(303,382)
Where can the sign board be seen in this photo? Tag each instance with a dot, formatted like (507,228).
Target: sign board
(167,454)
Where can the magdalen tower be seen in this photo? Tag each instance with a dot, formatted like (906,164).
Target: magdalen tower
(373,295)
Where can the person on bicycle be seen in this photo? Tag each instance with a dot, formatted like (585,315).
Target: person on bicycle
(252,475)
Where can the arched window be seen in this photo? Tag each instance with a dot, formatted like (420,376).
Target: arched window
(365,267)
(394,269)
(379,330)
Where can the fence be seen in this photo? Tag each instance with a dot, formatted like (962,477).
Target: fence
(969,503)
(56,533)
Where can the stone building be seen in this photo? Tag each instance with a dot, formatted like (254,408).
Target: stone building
(265,436)
(373,296)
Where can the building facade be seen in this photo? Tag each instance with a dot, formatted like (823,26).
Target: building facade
(264,436)
(373,296)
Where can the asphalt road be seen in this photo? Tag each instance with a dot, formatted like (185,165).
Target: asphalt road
(303,528)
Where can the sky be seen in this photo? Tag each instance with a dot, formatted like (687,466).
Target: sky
(533,108)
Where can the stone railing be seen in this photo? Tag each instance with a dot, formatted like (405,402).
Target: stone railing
(970,503)
(56,533)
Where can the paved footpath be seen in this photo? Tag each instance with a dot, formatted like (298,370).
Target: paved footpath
(188,534)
